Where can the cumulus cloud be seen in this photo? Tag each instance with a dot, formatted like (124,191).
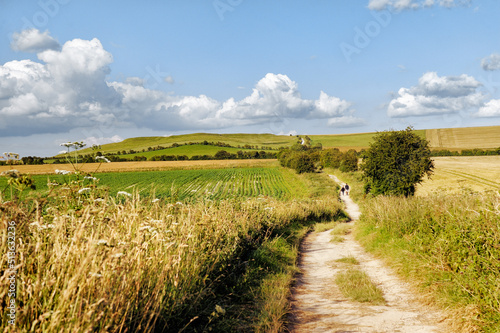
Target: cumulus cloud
(491,63)
(414,4)
(490,109)
(101,141)
(32,40)
(437,95)
(68,88)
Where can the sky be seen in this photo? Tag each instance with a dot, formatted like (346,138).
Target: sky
(104,71)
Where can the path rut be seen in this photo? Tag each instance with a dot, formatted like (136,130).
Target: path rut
(319,306)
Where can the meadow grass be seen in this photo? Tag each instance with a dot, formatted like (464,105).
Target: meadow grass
(348,260)
(448,245)
(96,263)
(357,286)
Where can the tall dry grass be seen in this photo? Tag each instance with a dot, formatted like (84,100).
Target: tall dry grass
(449,245)
(88,262)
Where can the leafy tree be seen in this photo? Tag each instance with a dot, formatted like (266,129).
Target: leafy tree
(303,162)
(395,162)
(349,161)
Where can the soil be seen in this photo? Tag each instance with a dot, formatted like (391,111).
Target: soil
(319,306)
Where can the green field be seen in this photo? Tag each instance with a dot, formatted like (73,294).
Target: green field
(188,150)
(212,184)
(235,140)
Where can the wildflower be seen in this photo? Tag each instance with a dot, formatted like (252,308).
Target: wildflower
(83,190)
(219,309)
(124,193)
(62,172)
(102,242)
(179,203)
(155,200)
(103,158)
(90,178)
(99,200)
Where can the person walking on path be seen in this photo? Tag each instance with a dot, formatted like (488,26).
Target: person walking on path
(346,187)
(342,190)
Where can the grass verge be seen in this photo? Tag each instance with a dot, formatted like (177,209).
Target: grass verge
(448,245)
(357,286)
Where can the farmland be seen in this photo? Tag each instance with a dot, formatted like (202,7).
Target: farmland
(464,138)
(454,174)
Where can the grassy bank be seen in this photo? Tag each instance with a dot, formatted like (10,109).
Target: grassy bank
(448,245)
(92,262)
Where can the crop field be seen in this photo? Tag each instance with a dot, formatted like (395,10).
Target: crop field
(452,174)
(143,166)
(180,185)
(190,184)
(464,138)
(356,141)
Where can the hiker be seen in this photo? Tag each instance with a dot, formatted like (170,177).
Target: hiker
(342,190)
(346,189)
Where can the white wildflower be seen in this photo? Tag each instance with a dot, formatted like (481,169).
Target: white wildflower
(102,242)
(124,193)
(90,178)
(83,190)
(179,203)
(155,200)
(62,172)
(99,200)
(102,158)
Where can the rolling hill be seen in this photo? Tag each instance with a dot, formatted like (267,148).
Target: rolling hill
(445,138)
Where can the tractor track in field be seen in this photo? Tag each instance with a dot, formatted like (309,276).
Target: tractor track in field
(319,306)
(473,178)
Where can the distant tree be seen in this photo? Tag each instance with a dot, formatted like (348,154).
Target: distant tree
(222,155)
(349,161)
(302,163)
(395,162)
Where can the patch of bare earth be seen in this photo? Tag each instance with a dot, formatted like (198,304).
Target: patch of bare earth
(319,306)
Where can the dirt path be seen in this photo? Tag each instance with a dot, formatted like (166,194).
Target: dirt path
(318,305)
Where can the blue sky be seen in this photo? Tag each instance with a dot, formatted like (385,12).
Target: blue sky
(102,71)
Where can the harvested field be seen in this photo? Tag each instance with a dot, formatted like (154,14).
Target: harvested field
(143,166)
(455,173)
(464,138)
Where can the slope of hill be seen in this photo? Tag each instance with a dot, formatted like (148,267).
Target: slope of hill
(464,137)
(446,138)
(235,140)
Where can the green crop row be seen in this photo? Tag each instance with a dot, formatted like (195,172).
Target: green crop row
(179,185)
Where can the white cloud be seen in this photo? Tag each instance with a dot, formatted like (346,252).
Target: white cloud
(413,4)
(437,95)
(491,63)
(346,121)
(101,141)
(32,40)
(69,89)
(490,109)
